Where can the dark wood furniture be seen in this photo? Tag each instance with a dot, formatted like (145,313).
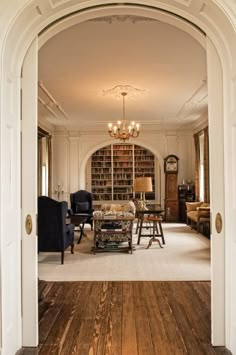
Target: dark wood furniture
(79,220)
(171,188)
(111,238)
(143,216)
(156,223)
(186,193)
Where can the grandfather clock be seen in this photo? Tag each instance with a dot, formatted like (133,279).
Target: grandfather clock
(171,191)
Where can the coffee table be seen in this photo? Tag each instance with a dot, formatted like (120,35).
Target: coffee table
(113,237)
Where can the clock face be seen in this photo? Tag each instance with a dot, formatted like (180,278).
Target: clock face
(171,164)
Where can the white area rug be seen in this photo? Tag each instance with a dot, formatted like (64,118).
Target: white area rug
(185,257)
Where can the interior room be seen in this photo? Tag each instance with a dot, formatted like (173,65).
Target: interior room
(125,68)
(131,178)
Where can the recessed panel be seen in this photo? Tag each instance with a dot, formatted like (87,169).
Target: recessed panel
(234,164)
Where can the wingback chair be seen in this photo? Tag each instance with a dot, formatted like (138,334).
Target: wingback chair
(81,202)
(54,235)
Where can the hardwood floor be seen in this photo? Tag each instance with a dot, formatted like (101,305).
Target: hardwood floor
(124,318)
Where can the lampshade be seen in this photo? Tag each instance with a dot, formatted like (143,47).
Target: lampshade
(143,184)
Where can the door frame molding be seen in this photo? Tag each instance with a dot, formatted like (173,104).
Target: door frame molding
(214,20)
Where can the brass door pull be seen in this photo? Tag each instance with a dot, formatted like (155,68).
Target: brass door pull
(28,224)
(218,223)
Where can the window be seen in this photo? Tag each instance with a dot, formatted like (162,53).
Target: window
(201,167)
(201,143)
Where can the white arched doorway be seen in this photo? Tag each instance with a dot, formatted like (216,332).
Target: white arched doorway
(210,18)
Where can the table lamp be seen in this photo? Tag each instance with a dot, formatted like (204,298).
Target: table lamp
(142,185)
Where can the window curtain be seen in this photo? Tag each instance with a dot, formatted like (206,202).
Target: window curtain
(197,161)
(206,166)
(44,158)
(49,146)
(39,166)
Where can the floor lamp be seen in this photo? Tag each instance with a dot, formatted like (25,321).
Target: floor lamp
(142,185)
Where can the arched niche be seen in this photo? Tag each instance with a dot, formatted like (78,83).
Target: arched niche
(159,168)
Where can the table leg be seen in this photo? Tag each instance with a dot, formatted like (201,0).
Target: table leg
(140,230)
(161,233)
(138,222)
(81,227)
(153,238)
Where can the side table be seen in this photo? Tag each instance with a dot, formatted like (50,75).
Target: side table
(79,220)
(152,211)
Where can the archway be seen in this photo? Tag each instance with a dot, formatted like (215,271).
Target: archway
(211,19)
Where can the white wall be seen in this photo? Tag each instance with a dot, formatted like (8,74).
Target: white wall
(72,151)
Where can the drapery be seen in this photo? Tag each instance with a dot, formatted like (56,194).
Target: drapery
(197,162)
(206,166)
(44,159)
(205,163)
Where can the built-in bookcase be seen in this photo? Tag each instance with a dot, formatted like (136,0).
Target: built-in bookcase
(114,167)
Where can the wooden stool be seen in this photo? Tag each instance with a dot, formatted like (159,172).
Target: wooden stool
(156,220)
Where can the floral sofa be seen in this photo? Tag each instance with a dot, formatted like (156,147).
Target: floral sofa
(106,226)
(197,213)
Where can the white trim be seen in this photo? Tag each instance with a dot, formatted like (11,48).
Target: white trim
(207,15)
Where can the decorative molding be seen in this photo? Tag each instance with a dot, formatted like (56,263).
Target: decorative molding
(190,108)
(122,18)
(46,99)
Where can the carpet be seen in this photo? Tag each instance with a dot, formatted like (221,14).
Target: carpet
(185,257)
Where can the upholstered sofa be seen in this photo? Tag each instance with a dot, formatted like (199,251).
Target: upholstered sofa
(105,221)
(197,213)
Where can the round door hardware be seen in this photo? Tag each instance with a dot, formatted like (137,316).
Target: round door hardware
(218,223)
(28,224)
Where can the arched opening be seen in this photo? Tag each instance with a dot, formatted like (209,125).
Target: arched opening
(11,90)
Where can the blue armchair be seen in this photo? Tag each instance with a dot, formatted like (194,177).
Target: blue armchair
(54,235)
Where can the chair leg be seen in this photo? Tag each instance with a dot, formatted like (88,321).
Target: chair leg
(62,257)
(72,248)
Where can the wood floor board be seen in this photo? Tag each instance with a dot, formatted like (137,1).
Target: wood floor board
(70,345)
(101,320)
(125,318)
(187,298)
(194,309)
(143,329)
(184,325)
(160,339)
(129,334)
(172,331)
(116,318)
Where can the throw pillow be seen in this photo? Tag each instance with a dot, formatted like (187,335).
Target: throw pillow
(130,207)
(82,207)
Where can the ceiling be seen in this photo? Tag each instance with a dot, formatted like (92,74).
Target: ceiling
(76,65)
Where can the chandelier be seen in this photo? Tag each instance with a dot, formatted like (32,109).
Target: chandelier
(121,130)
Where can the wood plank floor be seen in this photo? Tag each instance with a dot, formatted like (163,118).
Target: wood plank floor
(124,318)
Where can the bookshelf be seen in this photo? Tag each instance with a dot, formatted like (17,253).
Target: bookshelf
(113,169)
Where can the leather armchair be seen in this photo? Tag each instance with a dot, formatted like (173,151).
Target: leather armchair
(54,235)
(81,202)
